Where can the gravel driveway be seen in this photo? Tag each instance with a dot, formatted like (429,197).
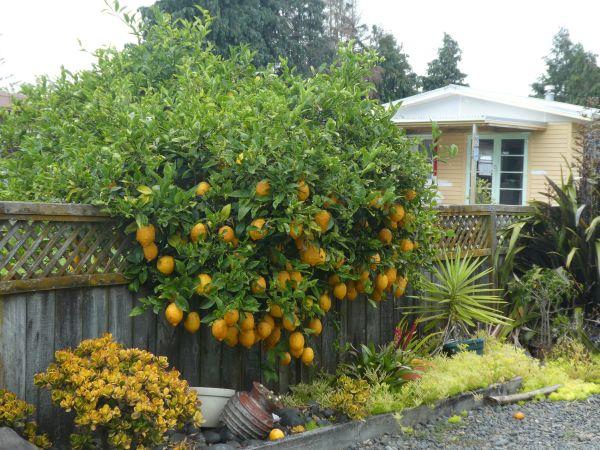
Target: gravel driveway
(547,425)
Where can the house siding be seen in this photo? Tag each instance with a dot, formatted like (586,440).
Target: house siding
(547,151)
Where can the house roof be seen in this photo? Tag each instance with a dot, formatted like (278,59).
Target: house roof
(6,99)
(461,105)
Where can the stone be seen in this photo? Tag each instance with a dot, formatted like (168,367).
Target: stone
(177,437)
(291,417)
(323,422)
(328,413)
(211,436)
(227,435)
(9,439)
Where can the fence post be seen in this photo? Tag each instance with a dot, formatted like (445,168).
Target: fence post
(493,243)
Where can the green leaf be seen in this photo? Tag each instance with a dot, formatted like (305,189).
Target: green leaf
(144,190)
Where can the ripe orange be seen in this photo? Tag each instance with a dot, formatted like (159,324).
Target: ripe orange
(150,252)
(333,280)
(274,337)
(202,188)
(231,317)
(259,285)
(264,329)
(145,235)
(381,282)
(396,213)
(392,274)
(410,195)
(276,434)
(377,295)
(519,415)
(323,218)
(313,255)
(269,319)
(296,353)
(307,356)
(276,311)
(260,232)
(316,325)
(247,338)
(296,340)
(325,302)
(352,292)
(226,233)
(399,292)
(406,245)
(173,314)
(375,260)
(204,281)
(385,236)
(402,282)
(303,190)
(339,291)
(192,322)
(296,278)
(166,265)
(248,321)
(295,230)
(377,201)
(286,359)
(232,336)
(360,286)
(290,325)
(263,188)
(219,329)
(393,225)
(198,231)
(282,278)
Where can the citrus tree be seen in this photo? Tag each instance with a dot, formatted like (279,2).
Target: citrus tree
(257,197)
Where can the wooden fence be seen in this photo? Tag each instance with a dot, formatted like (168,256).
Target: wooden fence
(61,282)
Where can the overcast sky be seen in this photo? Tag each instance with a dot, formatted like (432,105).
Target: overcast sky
(503,42)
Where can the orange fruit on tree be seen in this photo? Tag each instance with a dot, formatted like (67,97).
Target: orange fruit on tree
(166,265)
(296,353)
(402,282)
(296,278)
(150,252)
(410,195)
(247,322)
(231,317)
(364,275)
(219,329)
(385,236)
(202,188)
(259,285)
(316,325)
(325,302)
(226,233)
(274,337)
(323,218)
(313,255)
(303,190)
(260,232)
(268,318)
(296,340)
(290,325)
(296,230)
(392,274)
(377,295)
(247,338)
(393,225)
(308,302)
(307,356)
(204,281)
(145,235)
(286,359)
(375,260)
(333,280)
(339,291)
(406,245)
(275,434)
(377,201)
(198,231)
(276,311)
(282,279)
(361,286)
(264,329)
(192,322)
(352,292)
(519,415)
(263,188)
(396,213)
(232,336)
(399,292)
(173,314)
(381,282)
(340,262)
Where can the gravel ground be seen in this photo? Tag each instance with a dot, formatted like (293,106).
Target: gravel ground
(547,425)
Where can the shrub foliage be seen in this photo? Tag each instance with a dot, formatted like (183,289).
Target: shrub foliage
(291,179)
(17,415)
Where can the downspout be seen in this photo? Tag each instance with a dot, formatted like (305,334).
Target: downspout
(473,162)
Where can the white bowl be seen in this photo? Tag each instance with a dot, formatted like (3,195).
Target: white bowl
(213,401)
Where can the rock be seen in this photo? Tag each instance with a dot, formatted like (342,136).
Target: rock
(9,439)
(328,413)
(291,417)
(323,422)
(177,437)
(252,442)
(211,437)
(227,435)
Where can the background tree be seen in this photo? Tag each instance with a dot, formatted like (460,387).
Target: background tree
(444,70)
(393,77)
(572,71)
(272,28)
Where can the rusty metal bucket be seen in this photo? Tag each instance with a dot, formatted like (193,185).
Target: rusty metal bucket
(248,414)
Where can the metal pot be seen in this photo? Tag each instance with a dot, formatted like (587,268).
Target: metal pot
(248,414)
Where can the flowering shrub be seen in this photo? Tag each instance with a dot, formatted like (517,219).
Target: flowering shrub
(257,196)
(122,398)
(16,414)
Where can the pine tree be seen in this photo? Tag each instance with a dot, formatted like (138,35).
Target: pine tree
(573,73)
(394,77)
(444,70)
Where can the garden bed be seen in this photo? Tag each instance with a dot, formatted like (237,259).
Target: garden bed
(345,434)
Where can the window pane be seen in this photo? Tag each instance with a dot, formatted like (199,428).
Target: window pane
(512,164)
(513,146)
(511,180)
(510,197)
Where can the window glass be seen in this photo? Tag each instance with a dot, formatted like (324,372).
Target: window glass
(512,164)
(509,197)
(513,147)
(511,180)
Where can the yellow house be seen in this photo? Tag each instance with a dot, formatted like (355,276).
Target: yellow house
(519,141)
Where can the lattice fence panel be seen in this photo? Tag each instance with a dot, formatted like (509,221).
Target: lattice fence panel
(467,232)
